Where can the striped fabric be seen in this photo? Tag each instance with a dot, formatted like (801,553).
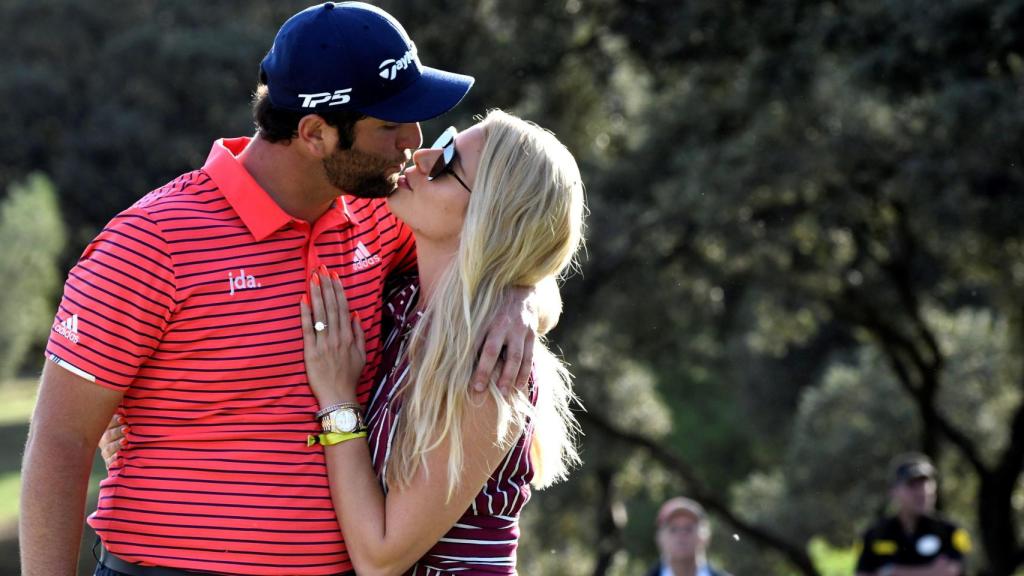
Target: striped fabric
(188,302)
(485,539)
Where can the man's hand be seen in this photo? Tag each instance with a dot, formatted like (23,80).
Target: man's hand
(508,345)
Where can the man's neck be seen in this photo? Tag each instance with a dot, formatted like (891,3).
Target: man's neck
(291,183)
(908,520)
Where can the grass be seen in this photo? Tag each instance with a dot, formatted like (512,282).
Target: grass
(10,485)
(17,400)
(831,561)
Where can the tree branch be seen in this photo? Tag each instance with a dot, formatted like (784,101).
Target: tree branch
(894,345)
(793,553)
(900,271)
(925,401)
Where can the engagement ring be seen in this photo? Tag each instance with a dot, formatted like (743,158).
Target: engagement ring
(320,326)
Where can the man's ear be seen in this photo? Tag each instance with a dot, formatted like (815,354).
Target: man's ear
(316,137)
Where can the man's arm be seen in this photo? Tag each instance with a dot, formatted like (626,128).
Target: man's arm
(69,416)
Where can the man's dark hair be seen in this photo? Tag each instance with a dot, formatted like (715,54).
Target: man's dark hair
(277,125)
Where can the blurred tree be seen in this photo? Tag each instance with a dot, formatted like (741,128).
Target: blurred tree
(131,95)
(822,177)
(794,204)
(32,234)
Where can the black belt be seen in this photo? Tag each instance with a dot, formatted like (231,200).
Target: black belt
(111,561)
(123,566)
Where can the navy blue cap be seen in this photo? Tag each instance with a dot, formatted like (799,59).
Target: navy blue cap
(911,466)
(354,56)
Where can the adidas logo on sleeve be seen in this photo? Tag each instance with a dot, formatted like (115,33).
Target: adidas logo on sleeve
(67,328)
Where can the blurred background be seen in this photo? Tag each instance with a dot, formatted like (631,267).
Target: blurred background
(805,247)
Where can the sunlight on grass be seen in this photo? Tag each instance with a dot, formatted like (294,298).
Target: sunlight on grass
(10,485)
(17,398)
(831,561)
(10,493)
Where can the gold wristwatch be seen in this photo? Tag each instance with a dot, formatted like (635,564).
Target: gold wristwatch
(343,420)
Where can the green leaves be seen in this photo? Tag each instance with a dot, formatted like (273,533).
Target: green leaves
(33,237)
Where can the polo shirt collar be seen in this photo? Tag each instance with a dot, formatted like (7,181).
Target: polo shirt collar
(257,209)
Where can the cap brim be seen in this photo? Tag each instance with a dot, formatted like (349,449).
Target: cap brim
(432,94)
(671,510)
(914,472)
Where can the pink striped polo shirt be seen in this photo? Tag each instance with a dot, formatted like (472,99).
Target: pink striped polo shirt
(188,302)
(485,539)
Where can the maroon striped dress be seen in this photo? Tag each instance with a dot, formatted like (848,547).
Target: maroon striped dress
(485,538)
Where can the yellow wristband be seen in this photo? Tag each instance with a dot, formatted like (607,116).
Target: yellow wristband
(332,438)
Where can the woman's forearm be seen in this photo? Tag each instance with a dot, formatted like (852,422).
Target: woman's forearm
(361,507)
(387,535)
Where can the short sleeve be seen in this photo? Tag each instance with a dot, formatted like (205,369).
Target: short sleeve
(867,561)
(959,544)
(116,303)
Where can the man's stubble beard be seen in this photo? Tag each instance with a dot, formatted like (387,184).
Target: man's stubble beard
(361,174)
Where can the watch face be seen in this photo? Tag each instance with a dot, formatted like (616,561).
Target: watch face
(345,421)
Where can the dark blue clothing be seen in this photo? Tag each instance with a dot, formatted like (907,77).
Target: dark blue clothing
(887,544)
(656,571)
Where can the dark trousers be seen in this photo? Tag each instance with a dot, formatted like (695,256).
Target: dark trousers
(102,570)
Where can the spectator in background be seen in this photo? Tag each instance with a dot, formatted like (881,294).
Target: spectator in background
(915,541)
(683,536)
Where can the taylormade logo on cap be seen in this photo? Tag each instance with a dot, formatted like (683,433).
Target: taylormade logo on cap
(390,67)
(354,56)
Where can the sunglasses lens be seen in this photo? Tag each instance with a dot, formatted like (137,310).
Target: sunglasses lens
(438,167)
(445,138)
(446,142)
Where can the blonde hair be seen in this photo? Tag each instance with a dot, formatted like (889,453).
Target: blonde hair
(523,224)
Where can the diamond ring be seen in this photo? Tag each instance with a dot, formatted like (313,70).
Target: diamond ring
(319,326)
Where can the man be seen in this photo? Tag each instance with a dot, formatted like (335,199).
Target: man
(183,316)
(683,537)
(914,542)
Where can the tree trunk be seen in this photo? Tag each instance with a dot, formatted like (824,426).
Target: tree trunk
(996,516)
(609,528)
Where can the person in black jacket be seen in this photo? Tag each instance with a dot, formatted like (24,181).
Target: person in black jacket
(916,541)
(683,534)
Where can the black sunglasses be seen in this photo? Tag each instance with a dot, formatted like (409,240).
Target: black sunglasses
(446,143)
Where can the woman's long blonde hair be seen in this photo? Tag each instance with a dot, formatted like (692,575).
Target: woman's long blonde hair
(524,224)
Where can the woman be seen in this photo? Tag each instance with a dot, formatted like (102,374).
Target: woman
(496,206)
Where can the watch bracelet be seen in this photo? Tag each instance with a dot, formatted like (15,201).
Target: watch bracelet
(331,408)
